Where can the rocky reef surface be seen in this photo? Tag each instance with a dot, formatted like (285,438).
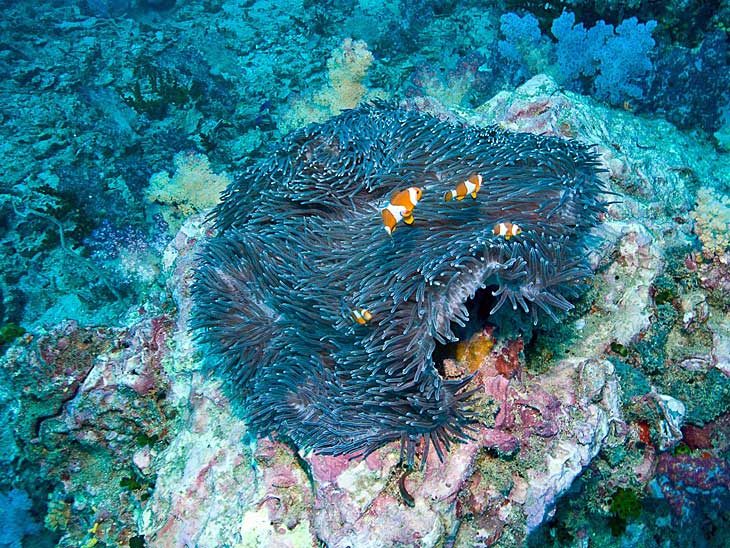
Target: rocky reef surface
(623,406)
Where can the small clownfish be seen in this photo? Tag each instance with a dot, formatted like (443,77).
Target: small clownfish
(361,316)
(507,230)
(469,187)
(400,208)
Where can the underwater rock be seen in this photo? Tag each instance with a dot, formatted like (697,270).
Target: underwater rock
(90,399)
(107,8)
(572,451)
(301,243)
(673,412)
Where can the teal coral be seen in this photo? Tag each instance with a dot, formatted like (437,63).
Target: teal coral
(625,506)
(15,519)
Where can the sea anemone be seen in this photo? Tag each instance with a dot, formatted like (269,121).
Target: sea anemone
(300,245)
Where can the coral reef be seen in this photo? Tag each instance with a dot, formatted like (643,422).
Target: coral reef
(570,409)
(712,218)
(91,414)
(322,188)
(607,428)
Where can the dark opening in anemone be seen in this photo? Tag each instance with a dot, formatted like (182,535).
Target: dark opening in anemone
(300,245)
(478,307)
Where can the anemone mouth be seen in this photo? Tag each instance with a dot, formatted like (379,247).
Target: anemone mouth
(503,285)
(478,306)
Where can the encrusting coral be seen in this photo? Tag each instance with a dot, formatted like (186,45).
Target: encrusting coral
(300,245)
(712,217)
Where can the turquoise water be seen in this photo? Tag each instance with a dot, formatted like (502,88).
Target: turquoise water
(123,121)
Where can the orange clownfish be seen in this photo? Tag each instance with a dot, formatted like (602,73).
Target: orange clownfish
(469,187)
(361,316)
(400,208)
(507,230)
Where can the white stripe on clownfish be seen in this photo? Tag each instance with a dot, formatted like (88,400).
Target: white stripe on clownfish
(507,230)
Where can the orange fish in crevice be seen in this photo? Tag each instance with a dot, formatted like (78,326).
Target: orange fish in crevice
(470,187)
(400,208)
(507,230)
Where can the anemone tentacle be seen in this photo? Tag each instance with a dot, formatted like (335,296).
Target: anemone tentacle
(300,244)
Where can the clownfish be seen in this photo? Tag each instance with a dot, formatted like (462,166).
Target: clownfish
(400,208)
(361,316)
(507,230)
(469,187)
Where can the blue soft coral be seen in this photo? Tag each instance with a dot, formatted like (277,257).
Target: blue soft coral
(300,244)
(522,35)
(15,520)
(618,60)
(609,63)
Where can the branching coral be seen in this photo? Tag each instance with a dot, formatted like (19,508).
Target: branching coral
(300,244)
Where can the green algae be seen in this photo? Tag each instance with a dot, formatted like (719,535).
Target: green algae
(620,349)
(156,89)
(137,542)
(144,440)
(665,290)
(9,332)
(625,507)
(681,449)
